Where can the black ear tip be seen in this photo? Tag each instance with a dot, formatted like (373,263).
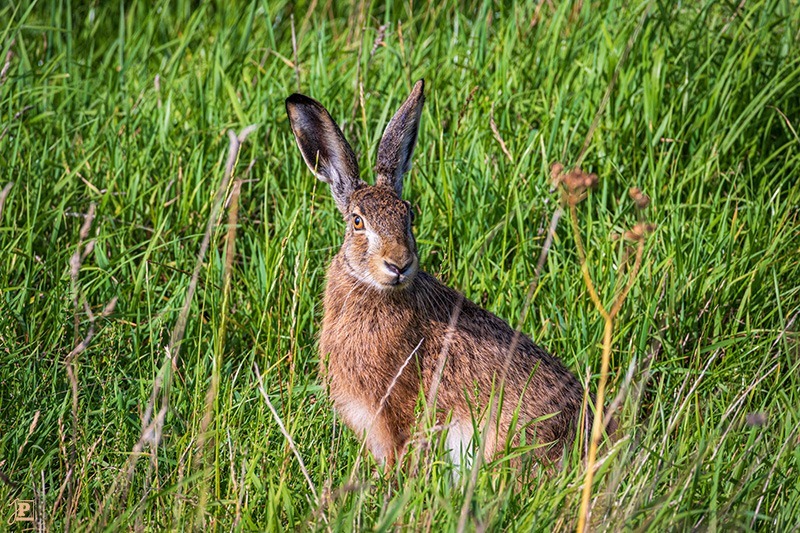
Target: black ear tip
(301,99)
(290,102)
(295,98)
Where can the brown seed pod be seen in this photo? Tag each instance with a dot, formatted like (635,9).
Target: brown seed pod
(556,171)
(639,231)
(640,199)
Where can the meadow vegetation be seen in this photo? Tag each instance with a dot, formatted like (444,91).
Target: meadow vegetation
(162,264)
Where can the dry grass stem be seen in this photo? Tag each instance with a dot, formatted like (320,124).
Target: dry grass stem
(381,405)
(497,135)
(294,53)
(3,195)
(7,63)
(791,440)
(288,437)
(180,326)
(152,428)
(80,343)
(493,405)
(575,186)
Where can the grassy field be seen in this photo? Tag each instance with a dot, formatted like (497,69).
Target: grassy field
(145,274)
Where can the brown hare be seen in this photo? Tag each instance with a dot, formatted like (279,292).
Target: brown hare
(389,329)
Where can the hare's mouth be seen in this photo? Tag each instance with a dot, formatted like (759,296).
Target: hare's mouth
(392,276)
(393,283)
(384,285)
(399,282)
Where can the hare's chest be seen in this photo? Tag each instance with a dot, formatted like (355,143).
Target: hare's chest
(366,338)
(361,352)
(366,330)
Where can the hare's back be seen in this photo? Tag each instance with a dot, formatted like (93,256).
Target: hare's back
(482,349)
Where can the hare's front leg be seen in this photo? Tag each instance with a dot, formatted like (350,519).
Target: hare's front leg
(369,424)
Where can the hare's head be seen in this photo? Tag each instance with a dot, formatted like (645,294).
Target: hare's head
(379,248)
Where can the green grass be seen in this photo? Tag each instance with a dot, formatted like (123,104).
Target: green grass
(704,117)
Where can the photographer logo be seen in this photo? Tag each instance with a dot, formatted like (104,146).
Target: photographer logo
(23,511)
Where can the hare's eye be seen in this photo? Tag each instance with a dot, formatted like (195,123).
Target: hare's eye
(358,223)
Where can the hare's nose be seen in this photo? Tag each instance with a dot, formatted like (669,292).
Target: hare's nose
(398,270)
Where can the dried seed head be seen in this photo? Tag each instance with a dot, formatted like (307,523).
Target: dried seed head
(556,171)
(639,231)
(378,40)
(756,419)
(640,199)
(576,182)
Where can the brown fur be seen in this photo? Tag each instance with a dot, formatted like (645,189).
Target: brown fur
(379,308)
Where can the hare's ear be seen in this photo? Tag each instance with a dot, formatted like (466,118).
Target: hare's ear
(399,140)
(324,148)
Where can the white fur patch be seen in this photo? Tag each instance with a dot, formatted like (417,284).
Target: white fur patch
(459,442)
(361,419)
(357,415)
(375,242)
